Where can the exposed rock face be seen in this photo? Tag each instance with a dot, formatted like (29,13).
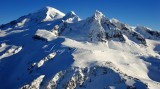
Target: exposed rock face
(71,17)
(147,32)
(35,84)
(87,78)
(50,50)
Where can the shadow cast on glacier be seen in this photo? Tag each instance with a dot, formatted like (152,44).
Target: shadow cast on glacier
(62,60)
(154,68)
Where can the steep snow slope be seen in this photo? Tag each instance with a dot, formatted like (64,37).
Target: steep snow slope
(59,51)
(40,17)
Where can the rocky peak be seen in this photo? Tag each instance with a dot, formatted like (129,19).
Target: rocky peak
(71,17)
(49,13)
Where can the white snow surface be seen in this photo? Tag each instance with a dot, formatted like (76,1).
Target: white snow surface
(48,49)
(52,13)
(127,60)
(48,35)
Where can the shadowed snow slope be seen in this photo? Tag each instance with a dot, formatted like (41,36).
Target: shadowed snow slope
(48,49)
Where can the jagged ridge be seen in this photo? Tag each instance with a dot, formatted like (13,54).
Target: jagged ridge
(47,49)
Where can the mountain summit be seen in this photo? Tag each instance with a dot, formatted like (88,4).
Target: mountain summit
(43,15)
(71,17)
(49,13)
(98,15)
(48,49)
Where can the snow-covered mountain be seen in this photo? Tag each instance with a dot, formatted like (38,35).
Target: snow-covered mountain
(48,49)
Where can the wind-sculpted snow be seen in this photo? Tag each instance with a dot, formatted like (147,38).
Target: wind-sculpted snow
(45,35)
(48,49)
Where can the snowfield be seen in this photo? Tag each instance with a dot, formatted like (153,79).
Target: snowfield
(48,49)
(46,35)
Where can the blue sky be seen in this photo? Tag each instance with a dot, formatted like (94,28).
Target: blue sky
(133,12)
